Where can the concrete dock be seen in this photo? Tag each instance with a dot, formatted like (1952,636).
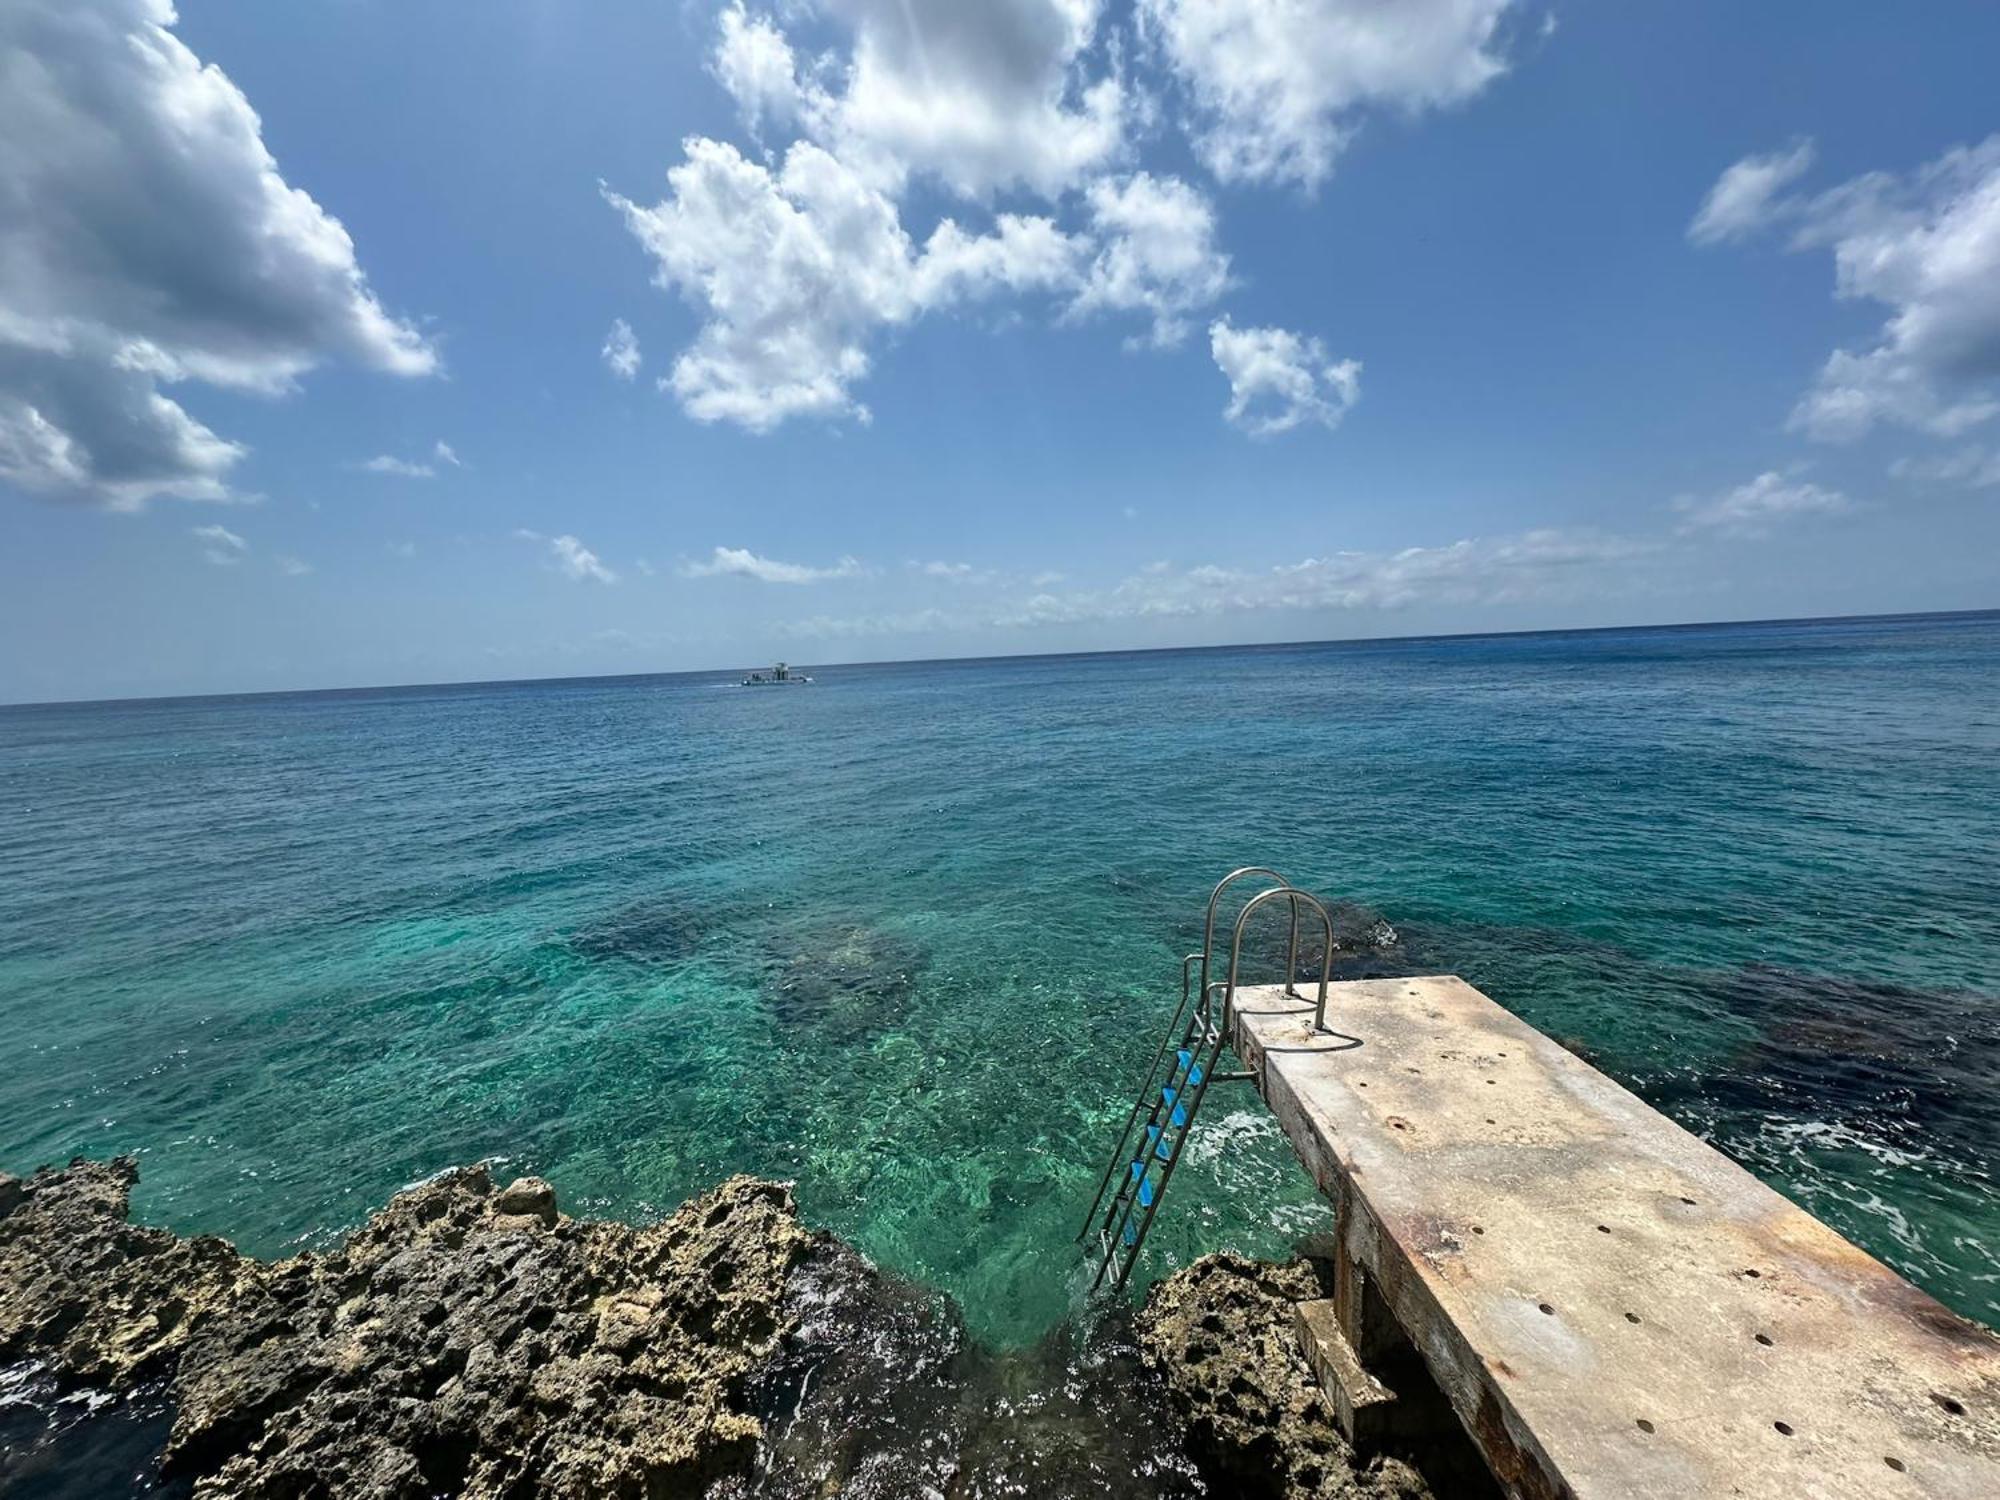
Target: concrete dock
(1611,1307)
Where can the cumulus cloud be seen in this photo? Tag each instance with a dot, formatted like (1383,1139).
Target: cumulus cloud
(621,350)
(799,259)
(1278,87)
(571,558)
(1926,245)
(1158,254)
(1758,507)
(794,269)
(445,454)
(220,545)
(741,562)
(1279,379)
(755,63)
(1745,198)
(150,240)
(978,97)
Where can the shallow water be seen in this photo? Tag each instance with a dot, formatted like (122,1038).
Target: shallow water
(904,935)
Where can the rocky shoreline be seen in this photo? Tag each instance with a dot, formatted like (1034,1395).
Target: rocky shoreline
(471,1339)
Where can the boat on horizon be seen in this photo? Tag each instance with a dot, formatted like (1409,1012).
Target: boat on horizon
(780,675)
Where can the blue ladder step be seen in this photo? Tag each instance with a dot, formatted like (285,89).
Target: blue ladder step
(1146,1194)
(1165,1150)
(1179,1116)
(1131,1235)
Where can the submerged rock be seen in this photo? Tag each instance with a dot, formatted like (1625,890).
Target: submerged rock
(859,975)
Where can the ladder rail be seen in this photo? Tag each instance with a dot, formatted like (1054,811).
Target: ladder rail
(1194,1040)
(1149,1083)
(1197,1038)
(1126,1262)
(1146,1091)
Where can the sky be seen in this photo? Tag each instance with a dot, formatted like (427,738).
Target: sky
(350,342)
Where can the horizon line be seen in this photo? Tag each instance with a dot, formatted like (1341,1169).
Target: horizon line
(921,661)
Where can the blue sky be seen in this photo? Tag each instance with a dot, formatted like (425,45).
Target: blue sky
(1254,320)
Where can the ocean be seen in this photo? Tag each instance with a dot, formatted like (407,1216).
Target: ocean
(907,935)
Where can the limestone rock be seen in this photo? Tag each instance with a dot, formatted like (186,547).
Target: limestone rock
(467,1340)
(1220,1334)
(109,1302)
(472,1341)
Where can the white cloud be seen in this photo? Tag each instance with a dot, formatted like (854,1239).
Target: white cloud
(293,567)
(402,468)
(1744,199)
(1158,254)
(621,350)
(980,97)
(754,62)
(1926,246)
(149,239)
(1973,466)
(410,468)
(220,545)
(1279,379)
(572,558)
(1278,87)
(1535,566)
(955,572)
(403,549)
(741,562)
(796,269)
(1756,508)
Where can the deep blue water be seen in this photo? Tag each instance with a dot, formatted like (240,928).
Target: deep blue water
(904,935)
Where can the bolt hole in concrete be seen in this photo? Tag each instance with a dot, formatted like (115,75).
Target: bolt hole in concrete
(1476,1229)
(1547,1309)
(1894,1463)
(1956,1408)
(1644,1425)
(1688,1201)
(1492,1122)
(1783,1427)
(1631,1317)
(1753,1274)
(1604,1229)
(1764,1339)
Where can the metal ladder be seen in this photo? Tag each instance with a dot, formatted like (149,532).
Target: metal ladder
(1170,1095)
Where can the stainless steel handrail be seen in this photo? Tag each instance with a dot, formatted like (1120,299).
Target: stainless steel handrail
(1243,872)
(1326,956)
(1207,1039)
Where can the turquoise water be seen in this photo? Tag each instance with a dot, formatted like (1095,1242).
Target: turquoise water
(905,935)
